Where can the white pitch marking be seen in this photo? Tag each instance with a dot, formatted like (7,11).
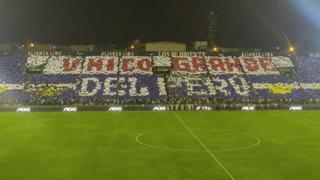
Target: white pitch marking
(204,146)
(139,141)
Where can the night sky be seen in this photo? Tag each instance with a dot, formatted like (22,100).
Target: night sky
(241,23)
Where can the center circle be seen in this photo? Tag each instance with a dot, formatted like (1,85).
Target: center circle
(218,140)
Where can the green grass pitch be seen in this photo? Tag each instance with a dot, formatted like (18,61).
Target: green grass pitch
(261,145)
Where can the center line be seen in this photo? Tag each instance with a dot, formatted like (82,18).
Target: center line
(203,145)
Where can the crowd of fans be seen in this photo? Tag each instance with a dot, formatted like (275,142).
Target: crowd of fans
(130,80)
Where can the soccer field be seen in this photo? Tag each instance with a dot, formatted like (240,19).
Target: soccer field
(261,145)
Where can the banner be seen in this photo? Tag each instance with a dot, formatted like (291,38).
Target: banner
(50,90)
(100,65)
(280,89)
(63,65)
(187,64)
(258,66)
(144,64)
(135,65)
(223,65)
(3,89)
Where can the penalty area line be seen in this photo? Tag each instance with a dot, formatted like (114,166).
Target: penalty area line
(203,145)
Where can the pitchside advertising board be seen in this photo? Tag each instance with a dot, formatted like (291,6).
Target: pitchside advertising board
(24,109)
(159,108)
(296,108)
(150,108)
(248,108)
(70,109)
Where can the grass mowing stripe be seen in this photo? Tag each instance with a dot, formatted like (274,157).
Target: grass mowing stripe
(203,145)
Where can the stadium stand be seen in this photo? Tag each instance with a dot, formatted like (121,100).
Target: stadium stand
(104,80)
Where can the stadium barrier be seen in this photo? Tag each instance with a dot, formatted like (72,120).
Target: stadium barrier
(154,108)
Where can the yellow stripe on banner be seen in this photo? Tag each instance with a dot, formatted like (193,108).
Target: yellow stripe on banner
(3,89)
(280,89)
(50,91)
